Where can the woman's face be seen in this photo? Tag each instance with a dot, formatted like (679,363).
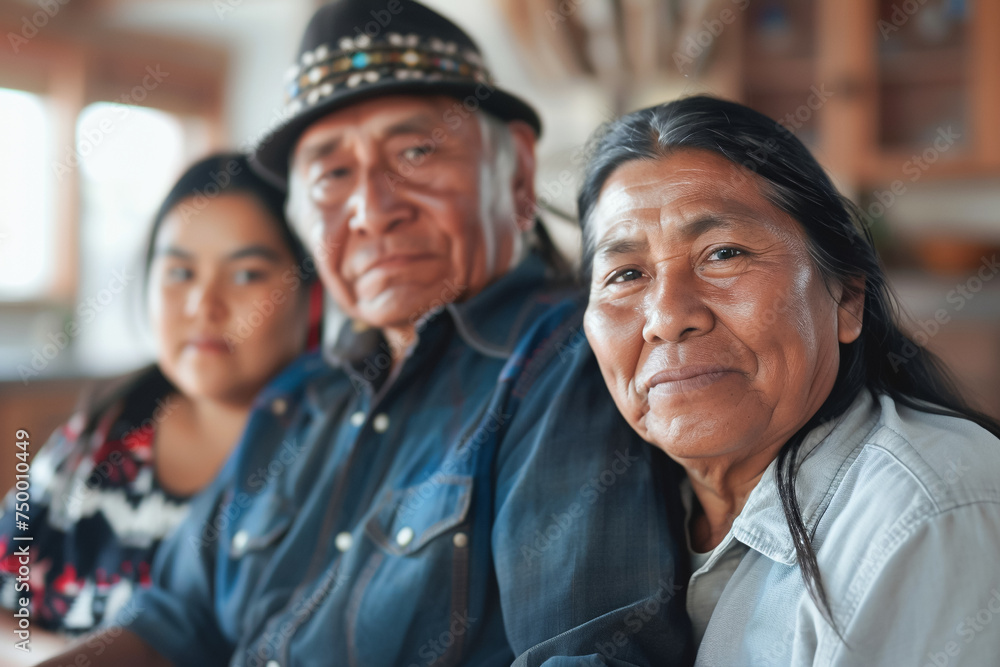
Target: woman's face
(226,310)
(714,331)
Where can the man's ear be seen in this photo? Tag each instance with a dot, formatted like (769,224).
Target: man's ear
(523,184)
(850,310)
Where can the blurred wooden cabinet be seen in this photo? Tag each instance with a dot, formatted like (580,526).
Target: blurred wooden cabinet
(881,89)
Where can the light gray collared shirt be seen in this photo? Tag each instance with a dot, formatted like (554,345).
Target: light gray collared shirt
(904,507)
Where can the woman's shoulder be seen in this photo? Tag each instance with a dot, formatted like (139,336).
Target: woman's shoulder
(948,461)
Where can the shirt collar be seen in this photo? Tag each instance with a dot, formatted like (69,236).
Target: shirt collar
(762,525)
(490,323)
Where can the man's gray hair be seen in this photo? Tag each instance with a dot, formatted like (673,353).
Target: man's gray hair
(496,175)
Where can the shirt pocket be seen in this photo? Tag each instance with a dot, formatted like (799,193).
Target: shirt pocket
(408,519)
(262,525)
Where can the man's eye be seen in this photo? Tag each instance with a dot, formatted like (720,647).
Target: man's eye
(626,275)
(725,253)
(335,174)
(416,152)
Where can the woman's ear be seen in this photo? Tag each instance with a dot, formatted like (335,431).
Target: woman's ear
(850,310)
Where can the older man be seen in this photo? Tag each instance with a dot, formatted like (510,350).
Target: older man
(452,483)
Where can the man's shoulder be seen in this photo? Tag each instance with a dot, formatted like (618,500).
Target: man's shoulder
(552,345)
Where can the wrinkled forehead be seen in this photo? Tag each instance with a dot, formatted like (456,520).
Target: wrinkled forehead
(386,116)
(676,178)
(683,186)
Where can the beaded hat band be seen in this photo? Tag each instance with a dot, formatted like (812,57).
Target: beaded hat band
(346,57)
(322,71)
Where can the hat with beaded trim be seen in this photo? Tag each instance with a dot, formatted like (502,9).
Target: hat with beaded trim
(357,49)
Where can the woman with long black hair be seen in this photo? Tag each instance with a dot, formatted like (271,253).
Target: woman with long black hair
(843,500)
(227,293)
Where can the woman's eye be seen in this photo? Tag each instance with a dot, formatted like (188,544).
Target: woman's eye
(245,276)
(626,275)
(725,253)
(177,274)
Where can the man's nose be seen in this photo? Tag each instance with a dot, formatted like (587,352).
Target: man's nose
(375,206)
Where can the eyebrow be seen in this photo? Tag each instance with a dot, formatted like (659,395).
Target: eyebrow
(622,245)
(173,251)
(699,226)
(319,151)
(260,251)
(263,252)
(419,123)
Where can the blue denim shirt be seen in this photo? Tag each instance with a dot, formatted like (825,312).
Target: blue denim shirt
(487,502)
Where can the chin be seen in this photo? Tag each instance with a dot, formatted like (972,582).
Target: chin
(401,308)
(684,436)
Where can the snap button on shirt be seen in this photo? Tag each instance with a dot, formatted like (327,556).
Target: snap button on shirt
(404,536)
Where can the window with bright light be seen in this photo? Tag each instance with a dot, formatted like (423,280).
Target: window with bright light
(27,189)
(130,158)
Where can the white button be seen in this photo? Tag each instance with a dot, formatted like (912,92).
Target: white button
(278,406)
(460,540)
(343,541)
(273,663)
(381,423)
(404,536)
(358,418)
(240,540)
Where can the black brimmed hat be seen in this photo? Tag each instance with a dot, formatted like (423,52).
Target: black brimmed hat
(358,49)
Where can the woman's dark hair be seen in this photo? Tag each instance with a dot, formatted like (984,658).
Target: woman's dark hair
(228,174)
(884,359)
(205,180)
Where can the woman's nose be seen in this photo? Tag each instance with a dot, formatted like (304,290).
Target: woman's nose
(674,309)
(206,301)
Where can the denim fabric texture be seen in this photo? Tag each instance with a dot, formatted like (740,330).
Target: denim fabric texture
(487,502)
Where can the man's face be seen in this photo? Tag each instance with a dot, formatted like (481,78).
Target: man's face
(388,194)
